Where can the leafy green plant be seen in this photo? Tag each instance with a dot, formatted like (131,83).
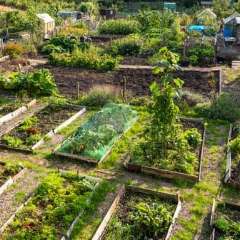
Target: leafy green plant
(12,141)
(28,123)
(128,46)
(55,204)
(201,54)
(94,138)
(92,58)
(38,83)
(32,139)
(225,107)
(119,27)
(150,220)
(193,137)
(235,145)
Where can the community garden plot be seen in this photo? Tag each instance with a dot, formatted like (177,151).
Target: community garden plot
(8,174)
(12,110)
(136,162)
(225,220)
(232,173)
(35,130)
(138,213)
(94,140)
(55,207)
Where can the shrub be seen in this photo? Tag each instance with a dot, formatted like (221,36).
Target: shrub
(62,44)
(119,27)
(92,58)
(14,50)
(100,95)
(193,137)
(201,54)
(38,83)
(128,46)
(235,145)
(150,219)
(226,107)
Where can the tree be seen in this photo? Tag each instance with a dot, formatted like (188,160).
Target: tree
(222,8)
(163,109)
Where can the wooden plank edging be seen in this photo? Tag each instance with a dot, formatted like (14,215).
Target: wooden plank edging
(87,159)
(10,116)
(100,232)
(52,132)
(10,220)
(213,212)
(11,180)
(157,172)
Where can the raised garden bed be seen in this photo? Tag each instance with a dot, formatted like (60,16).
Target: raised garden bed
(169,174)
(94,140)
(232,172)
(129,210)
(54,209)
(35,130)
(12,110)
(225,220)
(9,173)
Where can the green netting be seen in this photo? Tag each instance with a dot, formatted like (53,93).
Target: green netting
(96,137)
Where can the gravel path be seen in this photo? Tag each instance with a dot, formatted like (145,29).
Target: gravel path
(17,194)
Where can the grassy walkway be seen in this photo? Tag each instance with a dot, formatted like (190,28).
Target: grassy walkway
(194,219)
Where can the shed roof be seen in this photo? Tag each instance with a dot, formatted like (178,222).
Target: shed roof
(207,11)
(230,18)
(45,17)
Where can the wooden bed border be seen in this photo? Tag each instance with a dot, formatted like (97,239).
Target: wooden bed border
(163,173)
(101,231)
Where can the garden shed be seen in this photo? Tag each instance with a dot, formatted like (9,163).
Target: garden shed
(206,17)
(231,28)
(47,24)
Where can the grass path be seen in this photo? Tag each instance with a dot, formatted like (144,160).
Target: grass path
(194,219)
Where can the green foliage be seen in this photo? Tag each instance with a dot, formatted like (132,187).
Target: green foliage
(235,145)
(33,138)
(226,107)
(35,84)
(141,218)
(100,95)
(164,143)
(94,138)
(119,27)
(128,46)
(54,206)
(193,137)
(28,123)
(60,44)
(163,27)
(146,220)
(92,58)
(11,141)
(230,229)
(201,54)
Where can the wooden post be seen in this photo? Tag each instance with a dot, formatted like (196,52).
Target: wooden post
(124,88)
(78,90)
